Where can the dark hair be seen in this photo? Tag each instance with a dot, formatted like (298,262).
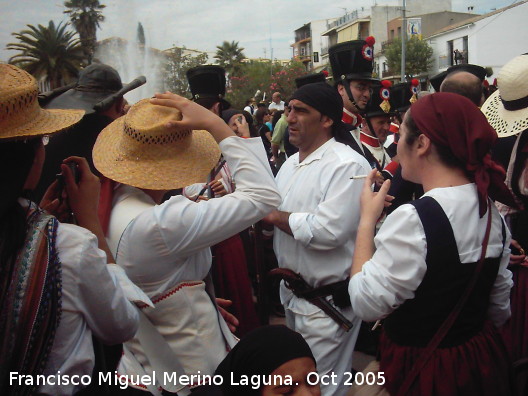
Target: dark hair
(444,153)
(208,102)
(16,160)
(276,117)
(259,115)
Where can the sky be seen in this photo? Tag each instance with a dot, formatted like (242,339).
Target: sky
(260,26)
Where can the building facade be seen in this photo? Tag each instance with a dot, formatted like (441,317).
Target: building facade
(309,44)
(488,40)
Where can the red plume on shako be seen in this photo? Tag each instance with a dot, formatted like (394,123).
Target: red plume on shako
(414,89)
(385,95)
(368,51)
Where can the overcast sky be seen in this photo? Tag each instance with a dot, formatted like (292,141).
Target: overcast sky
(257,25)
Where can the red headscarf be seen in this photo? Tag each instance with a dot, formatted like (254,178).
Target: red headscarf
(453,121)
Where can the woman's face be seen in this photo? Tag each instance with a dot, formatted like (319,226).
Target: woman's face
(298,369)
(407,153)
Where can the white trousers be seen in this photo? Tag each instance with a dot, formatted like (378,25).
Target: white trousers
(331,346)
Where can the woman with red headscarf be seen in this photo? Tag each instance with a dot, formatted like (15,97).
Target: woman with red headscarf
(436,271)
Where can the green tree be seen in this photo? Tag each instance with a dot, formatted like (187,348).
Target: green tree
(176,67)
(85,16)
(230,56)
(284,80)
(140,37)
(51,52)
(418,56)
(264,77)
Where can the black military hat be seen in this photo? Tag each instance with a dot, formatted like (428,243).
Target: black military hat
(476,70)
(311,78)
(353,60)
(208,81)
(404,94)
(380,103)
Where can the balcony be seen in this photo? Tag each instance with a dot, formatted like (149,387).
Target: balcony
(302,37)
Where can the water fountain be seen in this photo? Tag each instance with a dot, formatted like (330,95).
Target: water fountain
(130,58)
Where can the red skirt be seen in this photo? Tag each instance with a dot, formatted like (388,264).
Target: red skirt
(515,331)
(479,367)
(231,281)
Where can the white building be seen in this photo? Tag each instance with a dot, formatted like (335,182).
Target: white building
(309,43)
(488,40)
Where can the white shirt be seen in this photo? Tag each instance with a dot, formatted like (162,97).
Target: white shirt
(92,301)
(398,266)
(168,244)
(279,106)
(174,237)
(324,206)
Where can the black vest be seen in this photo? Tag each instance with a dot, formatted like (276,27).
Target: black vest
(416,321)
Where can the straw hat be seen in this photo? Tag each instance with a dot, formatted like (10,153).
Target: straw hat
(507,108)
(137,149)
(20,114)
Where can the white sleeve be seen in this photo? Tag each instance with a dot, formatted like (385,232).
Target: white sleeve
(185,227)
(395,271)
(336,218)
(108,313)
(499,308)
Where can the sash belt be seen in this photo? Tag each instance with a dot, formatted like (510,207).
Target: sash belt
(316,296)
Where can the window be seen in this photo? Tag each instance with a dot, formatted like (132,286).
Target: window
(450,53)
(316,57)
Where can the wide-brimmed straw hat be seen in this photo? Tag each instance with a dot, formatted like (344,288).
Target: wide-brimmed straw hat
(507,108)
(20,114)
(139,150)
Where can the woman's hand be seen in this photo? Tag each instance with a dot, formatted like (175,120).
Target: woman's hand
(373,203)
(54,202)
(517,259)
(194,116)
(83,197)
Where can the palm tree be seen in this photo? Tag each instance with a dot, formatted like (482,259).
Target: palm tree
(85,16)
(230,57)
(51,52)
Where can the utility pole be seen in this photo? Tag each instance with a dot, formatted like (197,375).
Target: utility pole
(404,42)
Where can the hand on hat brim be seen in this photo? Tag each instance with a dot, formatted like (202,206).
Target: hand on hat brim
(194,116)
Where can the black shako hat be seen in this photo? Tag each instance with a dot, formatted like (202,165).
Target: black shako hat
(97,87)
(310,78)
(404,94)
(380,103)
(476,70)
(353,60)
(208,81)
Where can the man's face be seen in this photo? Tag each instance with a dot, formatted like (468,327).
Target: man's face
(307,126)
(361,92)
(276,97)
(381,126)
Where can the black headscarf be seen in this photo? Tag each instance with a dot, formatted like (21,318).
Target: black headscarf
(323,98)
(260,352)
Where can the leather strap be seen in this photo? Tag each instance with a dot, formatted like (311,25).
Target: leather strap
(448,323)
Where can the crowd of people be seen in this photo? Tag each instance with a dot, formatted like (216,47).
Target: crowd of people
(398,220)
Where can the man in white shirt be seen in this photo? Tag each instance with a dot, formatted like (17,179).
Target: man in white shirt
(276,102)
(315,226)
